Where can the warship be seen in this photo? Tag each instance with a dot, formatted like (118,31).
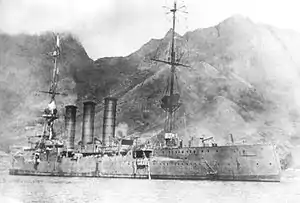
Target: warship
(112,157)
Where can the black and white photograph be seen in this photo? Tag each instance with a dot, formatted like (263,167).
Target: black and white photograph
(149,101)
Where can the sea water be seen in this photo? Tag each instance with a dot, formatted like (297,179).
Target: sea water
(60,189)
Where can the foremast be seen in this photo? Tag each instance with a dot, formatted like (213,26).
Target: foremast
(170,102)
(50,112)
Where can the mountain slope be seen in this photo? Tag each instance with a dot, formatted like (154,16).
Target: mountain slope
(249,67)
(26,68)
(243,79)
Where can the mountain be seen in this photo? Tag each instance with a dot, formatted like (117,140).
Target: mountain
(243,79)
(26,68)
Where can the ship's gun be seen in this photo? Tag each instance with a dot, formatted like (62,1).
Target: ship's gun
(207,139)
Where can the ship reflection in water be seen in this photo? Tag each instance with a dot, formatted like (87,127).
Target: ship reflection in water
(55,189)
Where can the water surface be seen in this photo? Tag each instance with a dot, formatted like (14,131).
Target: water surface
(49,189)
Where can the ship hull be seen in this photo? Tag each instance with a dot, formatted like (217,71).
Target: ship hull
(256,178)
(225,163)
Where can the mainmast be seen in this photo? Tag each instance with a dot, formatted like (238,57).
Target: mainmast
(173,51)
(170,102)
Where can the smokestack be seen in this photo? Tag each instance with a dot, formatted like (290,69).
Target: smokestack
(88,122)
(70,124)
(109,119)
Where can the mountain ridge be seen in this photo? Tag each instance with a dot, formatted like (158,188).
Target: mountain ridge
(239,70)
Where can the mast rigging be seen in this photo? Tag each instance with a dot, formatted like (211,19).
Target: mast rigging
(170,102)
(50,113)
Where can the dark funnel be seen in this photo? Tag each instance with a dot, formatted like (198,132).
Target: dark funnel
(109,120)
(88,122)
(70,124)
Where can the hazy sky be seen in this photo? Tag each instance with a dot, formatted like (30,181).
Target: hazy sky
(119,27)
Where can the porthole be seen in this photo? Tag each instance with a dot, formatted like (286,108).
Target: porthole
(194,151)
(207,150)
(182,152)
(201,150)
(270,164)
(257,164)
(216,150)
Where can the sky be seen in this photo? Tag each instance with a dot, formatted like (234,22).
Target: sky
(120,27)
